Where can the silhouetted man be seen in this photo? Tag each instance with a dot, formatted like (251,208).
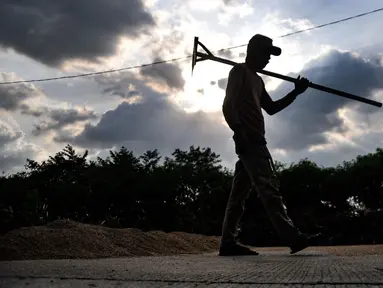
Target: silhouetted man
(245,96)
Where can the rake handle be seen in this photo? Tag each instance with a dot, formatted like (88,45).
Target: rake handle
(290,79)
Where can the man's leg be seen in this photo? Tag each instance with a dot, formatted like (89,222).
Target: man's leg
(259,169)
(240,190)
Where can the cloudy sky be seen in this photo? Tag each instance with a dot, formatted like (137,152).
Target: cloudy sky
(163,106)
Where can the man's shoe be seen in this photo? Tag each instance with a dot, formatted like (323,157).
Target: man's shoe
(236,250)
(305,241)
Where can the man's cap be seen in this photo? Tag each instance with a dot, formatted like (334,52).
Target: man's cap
(261,42)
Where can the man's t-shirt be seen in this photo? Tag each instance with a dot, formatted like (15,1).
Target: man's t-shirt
(242,102)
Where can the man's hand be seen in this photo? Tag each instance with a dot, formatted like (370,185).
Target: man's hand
(301,85)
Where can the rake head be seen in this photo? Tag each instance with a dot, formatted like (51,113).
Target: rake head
(194,56)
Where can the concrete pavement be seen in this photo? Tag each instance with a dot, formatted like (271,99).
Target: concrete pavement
(271,269)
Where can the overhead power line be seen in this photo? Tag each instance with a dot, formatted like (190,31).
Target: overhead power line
(315,27)
(94,73)
(185,57)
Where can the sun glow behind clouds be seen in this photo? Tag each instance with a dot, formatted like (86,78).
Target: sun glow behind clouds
(210,100)
(294,57)
(207,71)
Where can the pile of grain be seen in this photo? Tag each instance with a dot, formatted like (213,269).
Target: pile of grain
(64,239)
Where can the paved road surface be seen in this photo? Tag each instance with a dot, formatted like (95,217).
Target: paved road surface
(270,269)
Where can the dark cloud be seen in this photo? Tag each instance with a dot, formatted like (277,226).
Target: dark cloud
(201,91)
(222,83)
(133,93)
(213,83)
(8,162)
(149,125)
(14,161)
(226,54)
(125,85)
(169,73)
(54,31)
(26,110)
(128,86)
(314,113)
(57,118)
(154,122)
(12,95)
(116,89)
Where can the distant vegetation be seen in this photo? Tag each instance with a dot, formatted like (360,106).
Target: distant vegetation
(188,192)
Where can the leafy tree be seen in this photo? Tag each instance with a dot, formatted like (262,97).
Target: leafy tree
(188,191)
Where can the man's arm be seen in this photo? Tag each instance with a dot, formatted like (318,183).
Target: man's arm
(272,107)
(234,88)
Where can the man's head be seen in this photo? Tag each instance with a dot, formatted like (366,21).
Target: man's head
(259,50)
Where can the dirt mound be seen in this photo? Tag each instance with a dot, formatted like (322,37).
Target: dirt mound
(64,239)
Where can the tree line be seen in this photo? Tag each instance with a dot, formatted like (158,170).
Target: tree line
(188,190)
